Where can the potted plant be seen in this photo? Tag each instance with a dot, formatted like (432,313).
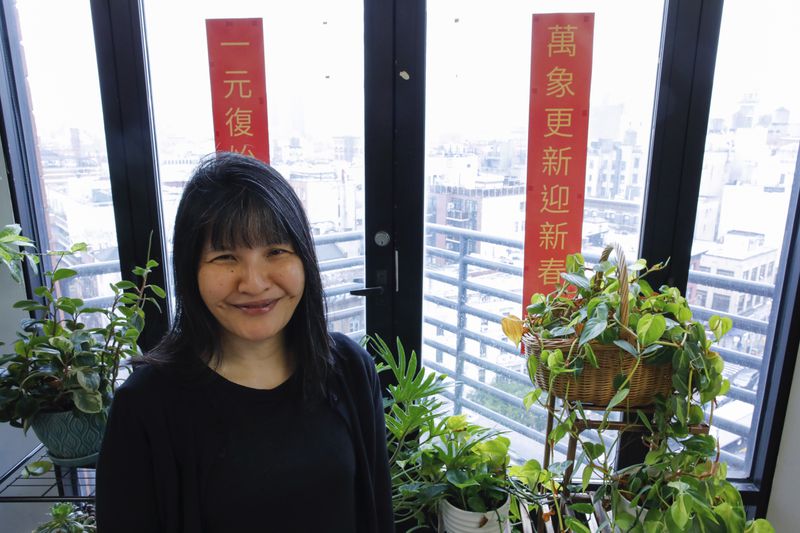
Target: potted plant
(60,377)
(67,517)
(610,343)
(443,467)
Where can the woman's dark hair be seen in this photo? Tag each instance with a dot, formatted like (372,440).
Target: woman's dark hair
(233,200)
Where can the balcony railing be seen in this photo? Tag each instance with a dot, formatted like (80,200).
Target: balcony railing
(463,307)
(460,260)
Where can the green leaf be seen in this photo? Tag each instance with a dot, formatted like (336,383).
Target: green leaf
(531,398)
(594,327)
(88,379)
(588,352)
(586,477)
(37,468)
(158,291)
(628,347)
(679,513)
(759,526)
(64,273)
(533,363)
(125,284)
(576,525)
(644,420)
(579,280)
(618,397)
(645,287)
(585,508)
(152,263)
(88,402)
(650,328)
(461,479)
(78,247)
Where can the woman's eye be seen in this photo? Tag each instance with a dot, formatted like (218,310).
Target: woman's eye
(224,257)
(280,250)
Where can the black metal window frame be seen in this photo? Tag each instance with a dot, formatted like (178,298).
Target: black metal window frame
(395,40)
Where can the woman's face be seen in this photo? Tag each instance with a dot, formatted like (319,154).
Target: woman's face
(252,292)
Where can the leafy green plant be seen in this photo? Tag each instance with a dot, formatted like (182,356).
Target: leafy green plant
(681,483)
(412,412)
(59,362)
(67,517)
(433,456)
(14,249)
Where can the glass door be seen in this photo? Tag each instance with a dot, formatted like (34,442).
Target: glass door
(315,98)
(477,100)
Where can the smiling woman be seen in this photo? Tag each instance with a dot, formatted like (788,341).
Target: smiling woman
(247,404)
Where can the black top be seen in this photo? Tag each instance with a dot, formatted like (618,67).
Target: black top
(275,448)
(193,452)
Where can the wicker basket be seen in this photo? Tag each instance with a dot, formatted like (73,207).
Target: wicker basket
(595,386)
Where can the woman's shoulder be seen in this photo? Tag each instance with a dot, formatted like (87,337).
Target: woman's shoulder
(354,359)
(348,352)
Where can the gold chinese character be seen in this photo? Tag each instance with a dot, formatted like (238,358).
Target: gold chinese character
(559,82)
(555,199)
(553,160)
(244,92)
(244,150)
(239,121)
(550,270)
(558,118)
(562,40)
(552,236)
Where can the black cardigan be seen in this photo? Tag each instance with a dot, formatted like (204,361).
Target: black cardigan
(151,468)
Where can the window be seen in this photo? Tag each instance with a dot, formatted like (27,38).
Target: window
(725,272)
(720,302)
(700,297)
(751,101)
(73,189)
(315,114)
(491,78)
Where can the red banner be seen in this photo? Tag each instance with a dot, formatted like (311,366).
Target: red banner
(561,72)
(238,86)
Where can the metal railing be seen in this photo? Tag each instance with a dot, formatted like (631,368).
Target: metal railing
(461,260)
(463,308)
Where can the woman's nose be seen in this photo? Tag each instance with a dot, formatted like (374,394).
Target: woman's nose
(254,278)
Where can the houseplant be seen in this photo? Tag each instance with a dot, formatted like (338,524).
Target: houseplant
(439,462)
(610,342)
(60,377)
(66,517)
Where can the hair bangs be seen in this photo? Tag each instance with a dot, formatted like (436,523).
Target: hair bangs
(245,222)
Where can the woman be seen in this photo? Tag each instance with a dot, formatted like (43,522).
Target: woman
(248,416)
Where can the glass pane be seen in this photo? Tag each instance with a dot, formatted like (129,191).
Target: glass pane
(748,174)
(478,76)
(67,120)
(315,97)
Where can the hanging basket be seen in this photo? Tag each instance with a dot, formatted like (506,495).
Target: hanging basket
(595,386)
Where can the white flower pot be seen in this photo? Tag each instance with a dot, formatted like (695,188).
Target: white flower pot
(629,508)
(455,520)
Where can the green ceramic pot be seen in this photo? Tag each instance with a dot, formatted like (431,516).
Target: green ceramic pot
(71,439)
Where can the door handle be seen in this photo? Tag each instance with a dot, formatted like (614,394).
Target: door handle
(368,291)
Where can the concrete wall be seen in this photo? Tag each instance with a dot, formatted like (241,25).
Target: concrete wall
(784,511)
(14,517)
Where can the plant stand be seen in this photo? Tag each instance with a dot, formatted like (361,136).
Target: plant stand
(63,483)
(600,514)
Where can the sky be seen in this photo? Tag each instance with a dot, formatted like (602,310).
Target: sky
(478,61)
